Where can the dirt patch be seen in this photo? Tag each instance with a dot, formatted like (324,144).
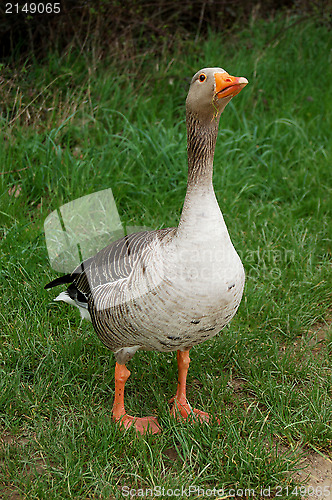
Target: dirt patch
(11,439)
(38,464)
(319,333)
(171,453)
(9,494)
(236,384)
(6,439)
(315,342)
(316,476)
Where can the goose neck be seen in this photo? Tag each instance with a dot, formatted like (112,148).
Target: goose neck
(201,143)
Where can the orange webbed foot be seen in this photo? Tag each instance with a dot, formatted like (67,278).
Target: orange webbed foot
(181,407)
(143,425)
(184,411)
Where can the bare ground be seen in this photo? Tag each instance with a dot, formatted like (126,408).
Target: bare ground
(317,476)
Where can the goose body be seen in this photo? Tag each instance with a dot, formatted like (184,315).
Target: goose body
(173,288)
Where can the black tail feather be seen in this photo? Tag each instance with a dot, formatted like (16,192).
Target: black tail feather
(67,278)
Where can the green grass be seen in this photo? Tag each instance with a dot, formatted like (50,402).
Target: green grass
(267,376)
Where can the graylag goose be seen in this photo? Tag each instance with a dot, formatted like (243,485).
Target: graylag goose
(174,288)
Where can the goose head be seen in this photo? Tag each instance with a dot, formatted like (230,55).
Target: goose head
(211,89)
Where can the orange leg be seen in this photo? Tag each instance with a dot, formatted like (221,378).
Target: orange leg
(181,406)
(143,424)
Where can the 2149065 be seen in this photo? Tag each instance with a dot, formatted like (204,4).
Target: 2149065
(33,8)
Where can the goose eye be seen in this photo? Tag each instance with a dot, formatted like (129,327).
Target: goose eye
(202,77)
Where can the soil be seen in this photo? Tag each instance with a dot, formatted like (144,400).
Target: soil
(317,476)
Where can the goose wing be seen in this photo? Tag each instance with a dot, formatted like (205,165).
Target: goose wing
(111,264)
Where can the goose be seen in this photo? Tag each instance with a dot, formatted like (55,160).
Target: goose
(168,289)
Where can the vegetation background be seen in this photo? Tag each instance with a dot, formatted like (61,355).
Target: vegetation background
(93,97)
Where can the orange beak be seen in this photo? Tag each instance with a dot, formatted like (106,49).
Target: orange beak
(227,85)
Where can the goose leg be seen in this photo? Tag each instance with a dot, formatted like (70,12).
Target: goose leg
(142,424)
(181,406)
